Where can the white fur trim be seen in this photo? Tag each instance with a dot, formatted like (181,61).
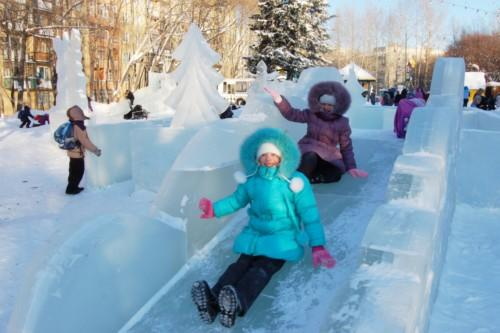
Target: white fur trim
(240,177)
(296,184)
(268,147)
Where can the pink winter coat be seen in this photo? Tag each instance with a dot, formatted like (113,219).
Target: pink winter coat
(329,137)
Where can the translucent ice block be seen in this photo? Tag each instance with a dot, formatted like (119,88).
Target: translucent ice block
(102,275)
(154,150)
(401,236)
(430,130)
(115,163)
(417,180)
(477,168)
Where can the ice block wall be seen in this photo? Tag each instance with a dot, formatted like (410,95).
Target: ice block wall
(407,236)
(372,117)
(115,163)
(154,150)
(101,276)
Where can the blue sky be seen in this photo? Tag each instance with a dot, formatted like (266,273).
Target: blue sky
(463,12)
(476,15)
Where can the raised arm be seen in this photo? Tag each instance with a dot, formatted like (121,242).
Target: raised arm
(286,110)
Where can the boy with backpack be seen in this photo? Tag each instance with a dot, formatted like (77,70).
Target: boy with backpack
(77,153)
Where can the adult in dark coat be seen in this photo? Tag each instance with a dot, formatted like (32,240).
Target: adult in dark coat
(24,116)
(327,151)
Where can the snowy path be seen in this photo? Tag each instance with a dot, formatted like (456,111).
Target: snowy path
(299,298)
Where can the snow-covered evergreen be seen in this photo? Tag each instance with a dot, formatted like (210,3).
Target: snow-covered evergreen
(291,35)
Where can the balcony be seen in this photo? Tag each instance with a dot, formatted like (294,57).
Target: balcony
(39,56)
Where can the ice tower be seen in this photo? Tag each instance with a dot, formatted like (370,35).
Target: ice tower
(71,81)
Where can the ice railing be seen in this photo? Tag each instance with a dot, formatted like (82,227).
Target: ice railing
(405,241)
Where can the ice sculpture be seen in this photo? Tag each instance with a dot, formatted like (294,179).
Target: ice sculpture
(71,81)
(196,98)
(352,85)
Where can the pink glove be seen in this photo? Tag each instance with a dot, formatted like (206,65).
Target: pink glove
(322,257)
(207,208)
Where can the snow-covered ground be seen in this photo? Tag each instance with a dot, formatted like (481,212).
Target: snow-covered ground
(35,211)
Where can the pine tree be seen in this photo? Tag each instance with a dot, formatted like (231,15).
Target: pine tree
(291,35)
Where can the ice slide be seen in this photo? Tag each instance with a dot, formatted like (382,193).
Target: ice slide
(299,298)
(389,234)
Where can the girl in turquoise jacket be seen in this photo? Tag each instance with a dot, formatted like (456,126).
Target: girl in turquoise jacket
(283,217)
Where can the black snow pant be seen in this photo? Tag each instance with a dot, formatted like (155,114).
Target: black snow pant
(25,121)
(249,275)
(315,168)
(76,170)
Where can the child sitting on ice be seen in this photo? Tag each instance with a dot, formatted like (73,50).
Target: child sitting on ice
(327,151)
(281,204)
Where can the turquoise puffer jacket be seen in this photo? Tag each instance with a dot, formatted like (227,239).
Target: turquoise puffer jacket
(282,205)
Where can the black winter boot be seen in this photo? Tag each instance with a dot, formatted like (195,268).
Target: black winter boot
(229,305)
(205,301)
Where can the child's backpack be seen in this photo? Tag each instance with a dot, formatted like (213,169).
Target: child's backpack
(64,136)
(20,114)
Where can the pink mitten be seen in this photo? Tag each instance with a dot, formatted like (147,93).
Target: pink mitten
(207,208)
(322,257)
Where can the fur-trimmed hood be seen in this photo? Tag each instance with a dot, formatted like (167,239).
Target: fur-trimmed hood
(337,89)
(290,154)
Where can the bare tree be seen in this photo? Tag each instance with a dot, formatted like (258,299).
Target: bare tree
(479,49)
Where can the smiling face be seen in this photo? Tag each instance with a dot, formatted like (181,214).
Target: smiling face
(269,160)
(326,107)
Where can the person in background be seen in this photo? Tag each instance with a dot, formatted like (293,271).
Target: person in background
(42,119)
(488,100)
(476,100)
(77,155)
(386,99)
(466,96)
(327,151)
(283,218)
(25,115)
(89,104)
(373,98)
(130,96)
(400,96)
